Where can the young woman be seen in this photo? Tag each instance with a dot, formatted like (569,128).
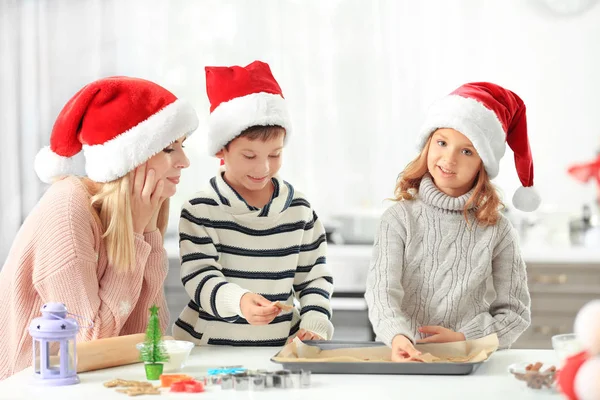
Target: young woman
(95,243)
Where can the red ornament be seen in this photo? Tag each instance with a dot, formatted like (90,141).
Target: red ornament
(566,376)
(586,172)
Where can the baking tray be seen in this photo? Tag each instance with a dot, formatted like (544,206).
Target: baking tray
(377,368)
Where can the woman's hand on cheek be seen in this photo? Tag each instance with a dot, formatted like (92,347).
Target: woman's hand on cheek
(146,195)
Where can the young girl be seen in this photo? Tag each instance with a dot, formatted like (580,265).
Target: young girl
(96,243)
(436,247)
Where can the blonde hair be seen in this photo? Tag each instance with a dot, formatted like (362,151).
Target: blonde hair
(485,200)
(111,205)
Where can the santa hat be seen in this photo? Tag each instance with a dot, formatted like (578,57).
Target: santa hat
(490,116)
(242,97)
(120,123)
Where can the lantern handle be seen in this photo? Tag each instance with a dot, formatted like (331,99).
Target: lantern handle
(79,316)
(91,325)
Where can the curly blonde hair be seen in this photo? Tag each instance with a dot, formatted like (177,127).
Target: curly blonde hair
(485,198)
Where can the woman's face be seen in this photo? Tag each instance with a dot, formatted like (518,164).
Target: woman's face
(168,164)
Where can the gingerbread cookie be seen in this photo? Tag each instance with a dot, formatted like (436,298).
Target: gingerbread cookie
(283,306)
(139,390)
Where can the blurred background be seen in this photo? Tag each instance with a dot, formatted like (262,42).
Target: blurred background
(358,76)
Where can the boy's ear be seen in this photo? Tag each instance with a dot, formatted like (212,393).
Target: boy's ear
(219,154)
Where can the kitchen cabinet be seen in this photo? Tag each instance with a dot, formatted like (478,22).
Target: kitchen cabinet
(558,291)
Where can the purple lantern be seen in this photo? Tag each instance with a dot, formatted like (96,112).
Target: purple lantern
(54,356)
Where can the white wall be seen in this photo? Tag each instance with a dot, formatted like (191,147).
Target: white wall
(358,76)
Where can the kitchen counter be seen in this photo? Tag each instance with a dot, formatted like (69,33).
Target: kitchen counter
(491,381)
(531,253)
(349,263)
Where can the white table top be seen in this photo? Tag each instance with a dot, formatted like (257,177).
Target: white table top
(349,263)
(532,253)
(490,381)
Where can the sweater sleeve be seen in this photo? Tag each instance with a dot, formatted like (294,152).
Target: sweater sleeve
(67,271)
(153,293)
(509,315)
(313,283)
(384,291)
(202,274)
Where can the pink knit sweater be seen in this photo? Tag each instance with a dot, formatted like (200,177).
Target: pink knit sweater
(59,255)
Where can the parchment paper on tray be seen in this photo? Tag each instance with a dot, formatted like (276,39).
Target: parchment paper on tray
(469,351)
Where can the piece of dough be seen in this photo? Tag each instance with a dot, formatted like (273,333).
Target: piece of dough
(283,306)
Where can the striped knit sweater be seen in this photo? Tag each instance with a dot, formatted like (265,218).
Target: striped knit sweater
(229,248)
(59,255)
(430,268)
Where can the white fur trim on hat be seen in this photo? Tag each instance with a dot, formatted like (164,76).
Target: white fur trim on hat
(122,154)
(472,119)
(48,165)
(526,199)
(230,118)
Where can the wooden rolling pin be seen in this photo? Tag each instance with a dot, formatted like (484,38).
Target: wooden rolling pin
(109,352)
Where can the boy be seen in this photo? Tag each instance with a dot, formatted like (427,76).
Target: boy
(250,242)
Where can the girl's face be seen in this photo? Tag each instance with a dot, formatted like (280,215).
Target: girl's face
(453,162)
(168,164)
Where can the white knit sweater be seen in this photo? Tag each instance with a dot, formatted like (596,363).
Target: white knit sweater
(430,268)
(229,248)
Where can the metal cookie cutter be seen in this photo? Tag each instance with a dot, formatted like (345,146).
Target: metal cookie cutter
(295,378)
(226,381)
(210,380)
(281,379)
(269,378)
(215,379)
(258,381)
(305,378)
(241,381)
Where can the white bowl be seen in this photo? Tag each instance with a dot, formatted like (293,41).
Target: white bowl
(566,345)
(178,350)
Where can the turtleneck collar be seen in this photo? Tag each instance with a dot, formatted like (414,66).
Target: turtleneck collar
(431,195)
(228,197)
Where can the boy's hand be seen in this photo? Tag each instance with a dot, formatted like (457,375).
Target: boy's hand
(305,335)
(257,310)
(402,348)
(439,334)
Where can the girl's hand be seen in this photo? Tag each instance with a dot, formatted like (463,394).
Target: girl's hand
(145,197)
(403,349)
(439,334)
(305,335)
(257,310)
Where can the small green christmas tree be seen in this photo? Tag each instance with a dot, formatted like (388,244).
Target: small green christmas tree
(153,353)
